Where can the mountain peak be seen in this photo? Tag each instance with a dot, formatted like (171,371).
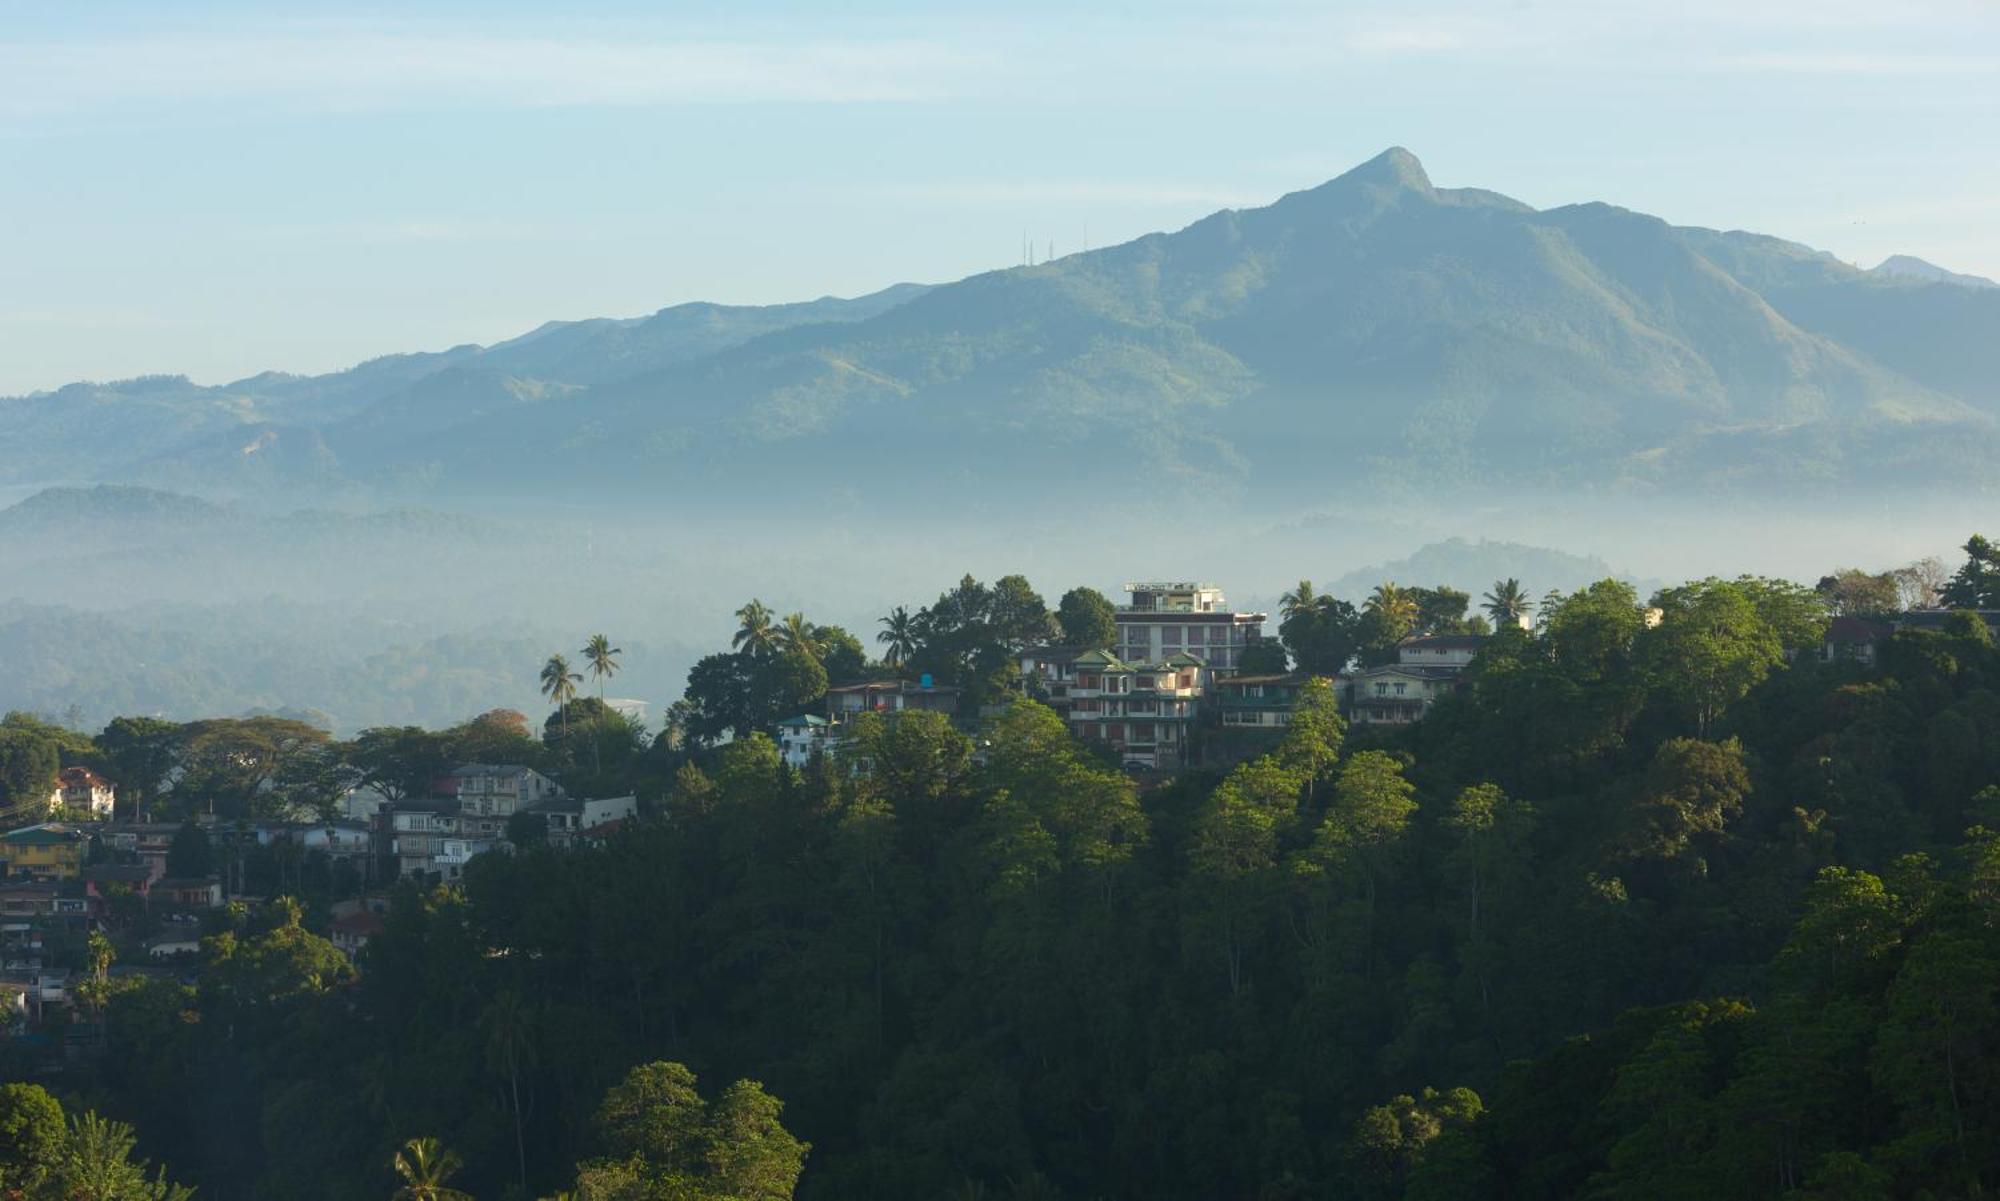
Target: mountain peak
(1909,266)
(1394,167)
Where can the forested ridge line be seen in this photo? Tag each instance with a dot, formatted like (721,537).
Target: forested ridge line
(1645,910)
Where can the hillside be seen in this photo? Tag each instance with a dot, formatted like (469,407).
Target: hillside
(1368,328)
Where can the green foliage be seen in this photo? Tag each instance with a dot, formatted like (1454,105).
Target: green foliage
(32,1136)
(669,1144)
(97,1165)
(28,764)
(1976,585)
(1757,962)
(1087,619)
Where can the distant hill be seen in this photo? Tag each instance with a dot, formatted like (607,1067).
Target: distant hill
(1474,567)
(1374,331)
(1905,266)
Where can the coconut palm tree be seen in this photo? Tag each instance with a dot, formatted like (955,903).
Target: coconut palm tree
(898,637)
(1507,604)
(602,659)
(754,633)
(1302,599)
(425,1166)
(510,1050)
(559,685)
(1394,603)
(796,634)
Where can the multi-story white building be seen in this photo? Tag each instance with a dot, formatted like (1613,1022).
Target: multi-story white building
(501,789)
(1145,712)
(802,737)
(1168,619)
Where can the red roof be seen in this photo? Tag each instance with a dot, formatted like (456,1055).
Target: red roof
(604,829)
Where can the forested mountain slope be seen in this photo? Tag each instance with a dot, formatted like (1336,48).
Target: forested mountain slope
(1373,323)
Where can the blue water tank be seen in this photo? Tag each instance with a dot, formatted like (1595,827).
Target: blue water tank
(924,680)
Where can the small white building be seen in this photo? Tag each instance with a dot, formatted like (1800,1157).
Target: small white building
(571,816)
(802,737)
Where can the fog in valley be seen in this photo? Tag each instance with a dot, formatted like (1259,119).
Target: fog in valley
(122,603)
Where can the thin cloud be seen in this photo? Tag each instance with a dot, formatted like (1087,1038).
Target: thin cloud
(1858,62)
(1017,192)
(397,67)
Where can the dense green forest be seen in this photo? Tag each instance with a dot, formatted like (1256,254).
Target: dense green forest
(1649,909)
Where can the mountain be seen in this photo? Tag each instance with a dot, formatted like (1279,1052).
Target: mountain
(1376,333)
(1907,266)
(1475,566)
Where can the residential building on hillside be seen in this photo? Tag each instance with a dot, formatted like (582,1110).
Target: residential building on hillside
(1453,651)
(1852,640)
(845,703)
(81,790)
(1259,702)
(193,892)
(802,737)
(569,817)
(500,789)
(1047,673)
(1145,712)
(417,833)
(1168,619)
(49,851)
(1395,694)
(1427,667)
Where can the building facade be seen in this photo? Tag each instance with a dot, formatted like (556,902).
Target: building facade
(1258,702)
(1167,619)
(81,790)
(1145,713)
(802,737)
(50,851)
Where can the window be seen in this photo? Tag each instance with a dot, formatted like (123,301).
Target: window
(1381,690)
(1399,689)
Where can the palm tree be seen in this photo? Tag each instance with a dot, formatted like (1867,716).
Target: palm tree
(1507,604)
(602,659)
(898,637)
(1301,599)
(425,1165)
(797,634)
(559,685)
(754,634)
(510,1049)
(1394,603)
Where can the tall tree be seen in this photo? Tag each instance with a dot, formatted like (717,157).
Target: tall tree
(1088,620)
(601,658)
(510,1051)
(559,685)
(1508,604)
(754,633)
(796,635)
(898,637)
(1977,583)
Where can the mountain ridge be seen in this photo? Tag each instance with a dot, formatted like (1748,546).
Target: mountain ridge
(1369,324)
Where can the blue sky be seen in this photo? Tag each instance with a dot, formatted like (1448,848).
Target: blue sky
(218,189)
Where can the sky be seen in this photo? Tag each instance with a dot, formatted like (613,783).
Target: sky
(217,189)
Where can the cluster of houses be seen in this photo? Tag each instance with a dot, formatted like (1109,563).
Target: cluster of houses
(61,879)
(1172,675)
(1172,671)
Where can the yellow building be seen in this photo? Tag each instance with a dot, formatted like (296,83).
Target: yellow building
(50,851)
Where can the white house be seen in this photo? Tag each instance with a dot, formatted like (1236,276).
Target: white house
(571,816)
(802,737)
